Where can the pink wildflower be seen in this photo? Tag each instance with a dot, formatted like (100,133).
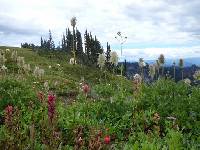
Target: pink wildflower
(8,114)
(51,106)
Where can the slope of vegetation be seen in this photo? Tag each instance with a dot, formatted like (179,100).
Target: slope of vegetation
(61,110)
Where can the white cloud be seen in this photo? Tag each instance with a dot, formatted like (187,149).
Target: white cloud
(167,22)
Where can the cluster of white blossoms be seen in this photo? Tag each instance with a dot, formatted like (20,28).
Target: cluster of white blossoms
(114,58)
(101,60)
(187,81)
(27,68)
(20,61)
(7,50)
(3,69)
(152,70)
(137,78)
(197,75)
(72,61)
(38,72)
(2,58)
(14,55)
(46,86)
(141,63)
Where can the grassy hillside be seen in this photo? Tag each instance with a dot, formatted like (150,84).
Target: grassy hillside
(60,111)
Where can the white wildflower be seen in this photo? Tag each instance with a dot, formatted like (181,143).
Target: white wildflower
(73,21)
(4,68)
(197,75)
(114,58)
(72,61)
(7,50)
(2,59)
(55,83)
(137,78)
(27,68)
(141,63)
(20,61)
(14,55)
(58,65)
(50,67)
(152,70)
(101,60)
(46,86)
(187,81)
(38,72)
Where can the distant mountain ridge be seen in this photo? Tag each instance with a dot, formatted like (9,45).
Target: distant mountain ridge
(169,62)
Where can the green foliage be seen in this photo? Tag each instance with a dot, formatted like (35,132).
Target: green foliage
(164,116)
(14,92)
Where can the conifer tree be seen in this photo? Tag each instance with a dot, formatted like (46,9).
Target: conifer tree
(79,46)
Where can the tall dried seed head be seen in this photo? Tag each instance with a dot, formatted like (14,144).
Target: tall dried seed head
(73,21)
(181,63)
(161,59)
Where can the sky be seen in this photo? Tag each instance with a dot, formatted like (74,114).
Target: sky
(152,27)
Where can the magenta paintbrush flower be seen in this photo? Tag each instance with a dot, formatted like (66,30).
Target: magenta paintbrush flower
(8,114)
(51,106)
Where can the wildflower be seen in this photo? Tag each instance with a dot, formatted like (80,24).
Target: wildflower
(7,50)
(101,60)
(187,81)
(73,21)
(152,70)
(72,61)
(20,61)
(4,68)
(157,65)
(86,88)
(2,59)
(51,106)
(38,72)
(55,83)
(137,78)
(197,75)
(49,67)
(58,65)
(46,86)
(27,68)
(114,58)
(8,114)
(14,55)
(141,63)
(161,59)
(181,63)
(107,139)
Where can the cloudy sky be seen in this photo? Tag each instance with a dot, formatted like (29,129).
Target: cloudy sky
(171,27)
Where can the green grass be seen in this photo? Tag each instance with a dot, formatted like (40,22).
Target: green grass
(133,121)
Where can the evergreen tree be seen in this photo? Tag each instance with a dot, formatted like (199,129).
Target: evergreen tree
(69,41)
(79,46)
(41,43)
(87,46)
(108,51)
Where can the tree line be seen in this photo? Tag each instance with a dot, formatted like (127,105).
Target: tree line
(87,49)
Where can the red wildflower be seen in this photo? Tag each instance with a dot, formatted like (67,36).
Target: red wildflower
(51,106)
(8,114)
(86,88)
(107,139)
(40,96)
